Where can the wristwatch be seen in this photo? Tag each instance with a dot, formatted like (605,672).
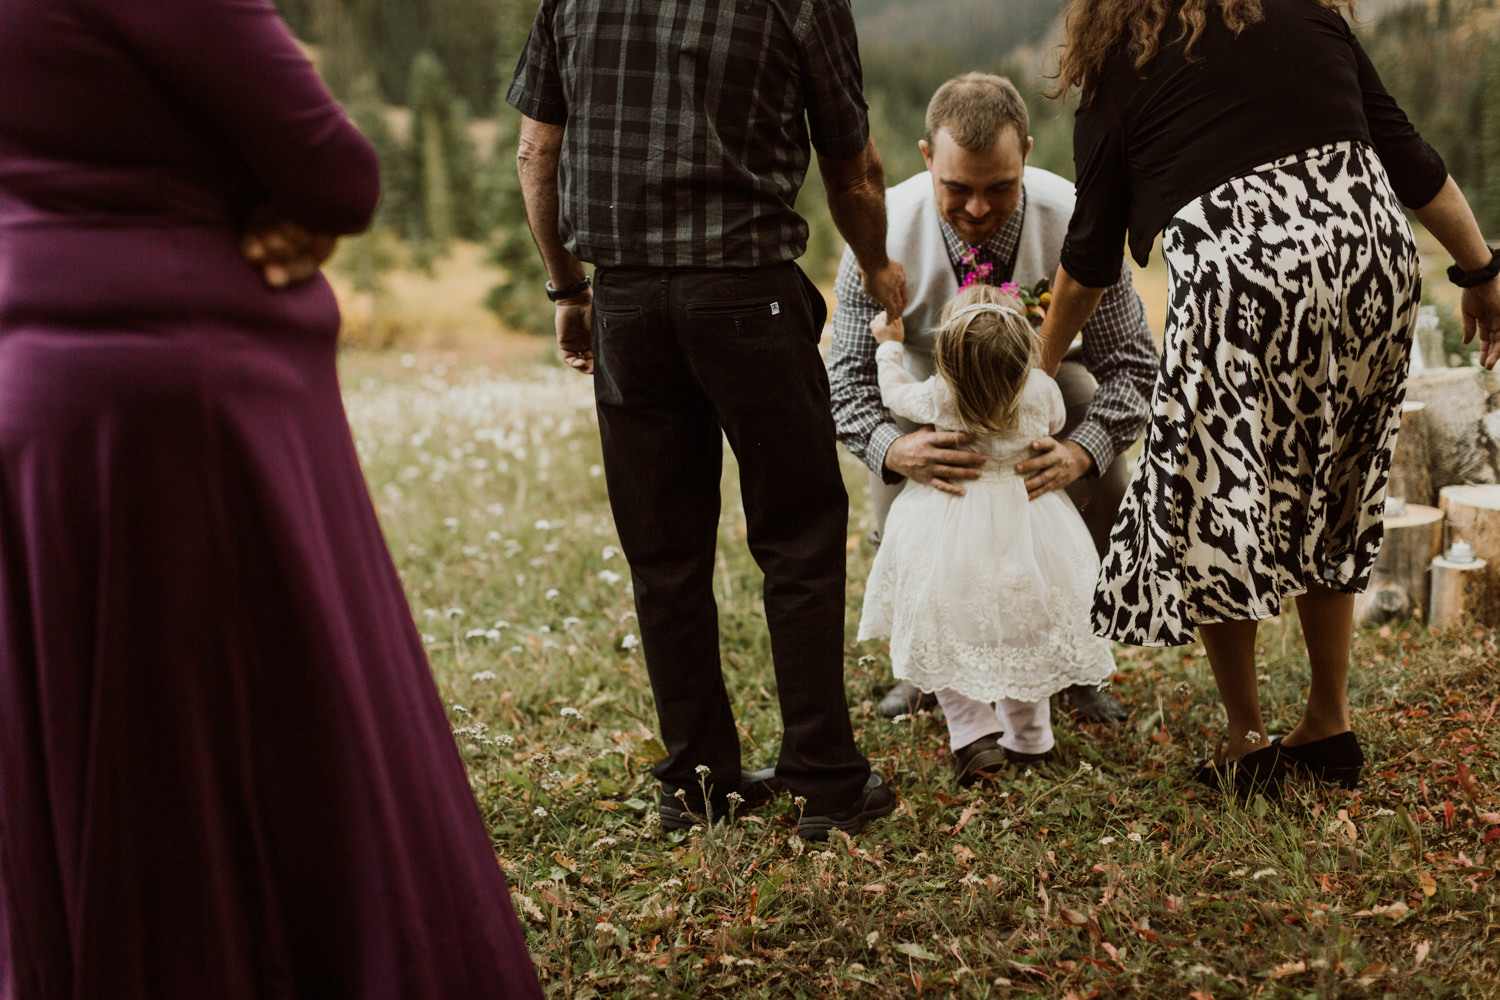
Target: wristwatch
(576,288)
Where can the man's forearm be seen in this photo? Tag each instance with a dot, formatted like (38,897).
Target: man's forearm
(856,201)
(537,156)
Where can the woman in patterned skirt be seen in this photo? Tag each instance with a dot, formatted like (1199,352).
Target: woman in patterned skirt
(1256,136)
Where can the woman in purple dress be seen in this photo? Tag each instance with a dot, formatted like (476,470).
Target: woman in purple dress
(224,768)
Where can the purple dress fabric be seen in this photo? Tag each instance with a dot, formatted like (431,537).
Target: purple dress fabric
(224,768)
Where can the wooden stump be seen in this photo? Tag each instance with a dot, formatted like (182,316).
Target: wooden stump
(1411,474)
(1474,517)
(1456,589)
(1400,580)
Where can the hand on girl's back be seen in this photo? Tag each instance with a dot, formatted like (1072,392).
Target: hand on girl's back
(886,330)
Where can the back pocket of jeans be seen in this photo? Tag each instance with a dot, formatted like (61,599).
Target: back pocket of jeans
(740,314)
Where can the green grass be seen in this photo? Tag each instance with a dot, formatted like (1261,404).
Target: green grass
(1102,874)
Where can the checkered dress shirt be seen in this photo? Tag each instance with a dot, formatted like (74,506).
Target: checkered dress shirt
(1117,349)
(690,123)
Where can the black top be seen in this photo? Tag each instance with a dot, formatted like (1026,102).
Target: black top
(688,122)
(1149,141)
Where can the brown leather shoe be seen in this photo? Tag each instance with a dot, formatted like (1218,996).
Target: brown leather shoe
(980,759)
(906,699)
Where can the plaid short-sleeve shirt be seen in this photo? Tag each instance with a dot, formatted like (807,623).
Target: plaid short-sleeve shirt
(690,123)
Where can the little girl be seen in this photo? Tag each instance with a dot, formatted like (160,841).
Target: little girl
(986,596)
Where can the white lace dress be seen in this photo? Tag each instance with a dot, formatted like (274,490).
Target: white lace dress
(987,594)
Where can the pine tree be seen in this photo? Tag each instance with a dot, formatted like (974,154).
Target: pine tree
(442,160)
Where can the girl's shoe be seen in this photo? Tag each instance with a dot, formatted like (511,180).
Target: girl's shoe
(1260,772)
(1335,760)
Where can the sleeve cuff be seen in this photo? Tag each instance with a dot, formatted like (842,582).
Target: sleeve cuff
(536,108)
(881,440)
(1089,436)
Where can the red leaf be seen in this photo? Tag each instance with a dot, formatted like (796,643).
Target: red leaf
(1466,781)
(1448,813)
(1492,835)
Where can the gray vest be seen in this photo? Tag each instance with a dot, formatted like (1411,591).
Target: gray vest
(914,238)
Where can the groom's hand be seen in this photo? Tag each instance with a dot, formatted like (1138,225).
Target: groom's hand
(1055,468)
(935,458)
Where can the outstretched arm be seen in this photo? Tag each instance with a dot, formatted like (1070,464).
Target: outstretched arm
(856,200)
(1449,218)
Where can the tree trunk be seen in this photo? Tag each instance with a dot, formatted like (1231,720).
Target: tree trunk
(1474,517)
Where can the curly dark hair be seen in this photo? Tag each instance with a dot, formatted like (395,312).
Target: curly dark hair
(1095,28)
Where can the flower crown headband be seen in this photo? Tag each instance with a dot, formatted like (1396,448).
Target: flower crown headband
(975,308)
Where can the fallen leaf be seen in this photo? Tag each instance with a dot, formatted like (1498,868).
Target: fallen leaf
(915,951)
(1429,885)
(1423,947)
(1395,911)
(968,814)
(1288,969)
(1074,916)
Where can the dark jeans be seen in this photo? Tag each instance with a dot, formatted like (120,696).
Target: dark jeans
(682,356)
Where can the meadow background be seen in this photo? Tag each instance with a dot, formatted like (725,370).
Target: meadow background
(1104,873)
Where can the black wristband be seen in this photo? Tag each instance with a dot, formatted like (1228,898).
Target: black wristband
(576,288)
(1478,276)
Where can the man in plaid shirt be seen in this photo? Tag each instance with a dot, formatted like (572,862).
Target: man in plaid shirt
(980,208)
(665,141)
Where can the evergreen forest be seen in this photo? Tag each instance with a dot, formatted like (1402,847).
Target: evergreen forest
(426,79)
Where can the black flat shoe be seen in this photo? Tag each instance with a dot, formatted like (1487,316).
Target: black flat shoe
(1255,773)
(1334,760)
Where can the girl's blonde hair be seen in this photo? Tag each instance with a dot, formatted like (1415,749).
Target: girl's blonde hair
(985,356)
(1096,27)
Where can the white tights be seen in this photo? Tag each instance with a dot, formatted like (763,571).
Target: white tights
(1024,726)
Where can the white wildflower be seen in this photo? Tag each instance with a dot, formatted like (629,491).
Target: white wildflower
(1133,837)
(454,612)
(539,812)
(630,642)
(702,770)
(570,713)
(483,675)
(1106,841)
(609,552)
(1264,873)
(543,525)
(608,576)
(552,593)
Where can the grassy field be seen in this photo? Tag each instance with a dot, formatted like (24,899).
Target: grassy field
(1102,874)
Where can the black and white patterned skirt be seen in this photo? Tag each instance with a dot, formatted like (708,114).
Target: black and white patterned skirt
(1294,291)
